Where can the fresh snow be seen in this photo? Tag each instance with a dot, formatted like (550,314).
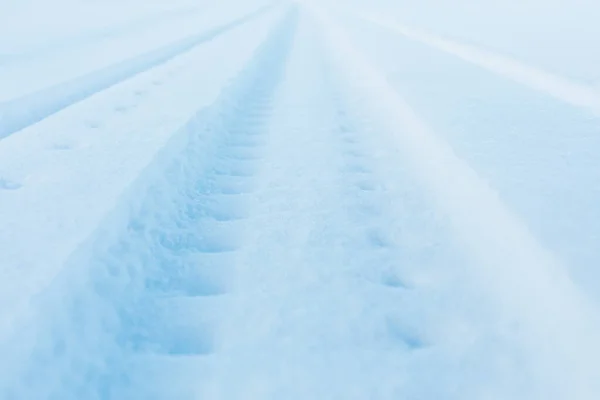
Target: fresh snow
(556,86)
(306,200)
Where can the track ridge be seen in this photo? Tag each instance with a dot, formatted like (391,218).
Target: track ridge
(27,110)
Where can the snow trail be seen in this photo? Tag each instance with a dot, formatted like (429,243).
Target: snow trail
(537,152)
(301,288)
(132,292)
(510,262)
(346,286)
(27,110)
(556,86)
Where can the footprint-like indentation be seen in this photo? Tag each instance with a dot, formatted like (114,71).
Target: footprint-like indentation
(392,280)
(405,334)
(367,186)
(354,154)
(157,82)
(210,236)
(139,93)
(221,207)
(345,128)
(203,275)
(377,238)
(8,184)
(174,326)
(187,342)
(123,108)
(94,124)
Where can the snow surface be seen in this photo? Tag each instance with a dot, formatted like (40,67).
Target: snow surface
(343,200)
(555,35)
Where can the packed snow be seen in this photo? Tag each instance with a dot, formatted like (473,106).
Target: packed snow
(299,200)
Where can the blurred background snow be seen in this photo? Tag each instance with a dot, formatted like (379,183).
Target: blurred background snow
(559,36)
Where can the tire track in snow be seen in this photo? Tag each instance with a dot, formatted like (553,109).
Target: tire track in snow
(189,301)
(521,276)
(22,112)
(556,86)
(135,309)
(387,259)
(338,289)
(301,317)
(314,310)
(405,253)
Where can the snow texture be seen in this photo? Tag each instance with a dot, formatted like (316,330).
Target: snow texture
(299,200)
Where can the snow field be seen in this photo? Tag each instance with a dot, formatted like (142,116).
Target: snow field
(556,86)
(288,210)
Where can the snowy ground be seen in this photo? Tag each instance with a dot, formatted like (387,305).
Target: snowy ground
(259,200)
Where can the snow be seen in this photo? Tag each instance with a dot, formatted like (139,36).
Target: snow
(536,151)
(34,107)
(45,60)
(346,200)
(32,25)
(562,89)
(509,260)
(553,35)
(55,160)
